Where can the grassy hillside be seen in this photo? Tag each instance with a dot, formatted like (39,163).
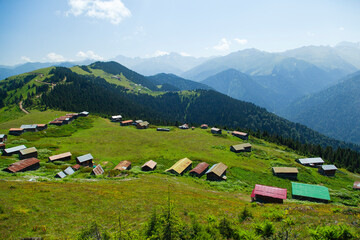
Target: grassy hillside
(51,208)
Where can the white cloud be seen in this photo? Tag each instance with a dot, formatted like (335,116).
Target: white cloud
(241,41)
(53,57)
(111,10)
(223,45)
(159,53)
(25,59)
(89,54)
(310,34)
(184,54)
(341,28)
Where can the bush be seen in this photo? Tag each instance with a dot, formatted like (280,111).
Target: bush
(265,229)
(333,232)
(245,214)
(93,232)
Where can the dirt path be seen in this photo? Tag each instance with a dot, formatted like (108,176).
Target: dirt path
(21,107)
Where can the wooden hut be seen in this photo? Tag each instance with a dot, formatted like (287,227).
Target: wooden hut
(149,166)
(215,130)
(16,131)
(123,165)
(163,129)
(180,167)
(199,170)
(3,137)
(242,135)
(76,167)
(85,160)
(69,171)
(184,126)
(72,115)
(126,123)
(245,147)
(29,127)
(24,165)
(204,126)
(217,172)
(28,153)
(268,194)
(63,119)
(98,170)
(60,174)
(116,118)
(327,170)
(310,192)
(60,157)
(56,123)
(285,172)
(41,127)
(13,150)
(142,125)
(356,186)
(311,162)
(84,114)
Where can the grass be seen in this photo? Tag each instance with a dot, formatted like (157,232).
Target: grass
(64,206)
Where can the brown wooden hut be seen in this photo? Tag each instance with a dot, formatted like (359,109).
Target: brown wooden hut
(85,160)
(149,166)
(16,131)
(180,167)
(245,147)
(123,165)
(60,157)
(327,170)
(215,130)
(217,172)
(28,153)
(199,170)
(41,127)
(285,172)
(24,165)
(98,170)
(126,123)
(242,135)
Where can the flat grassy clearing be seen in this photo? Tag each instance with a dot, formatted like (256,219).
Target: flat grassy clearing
(65,206)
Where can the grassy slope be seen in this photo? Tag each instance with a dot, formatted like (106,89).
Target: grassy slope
(50,203)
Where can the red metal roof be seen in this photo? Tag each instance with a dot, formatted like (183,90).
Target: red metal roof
(200,168)
(22,164)
(268,191)
(55,121)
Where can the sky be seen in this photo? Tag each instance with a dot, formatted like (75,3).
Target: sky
(75,30)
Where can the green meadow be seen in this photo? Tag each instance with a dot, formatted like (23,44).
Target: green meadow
(54,208)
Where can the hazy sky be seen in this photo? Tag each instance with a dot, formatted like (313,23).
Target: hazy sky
(59,30)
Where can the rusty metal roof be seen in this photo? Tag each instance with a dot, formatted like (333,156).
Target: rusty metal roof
(85,158)
(69,171)
(28,151)
(123,165)
(200,168)
(219,169)
(59,156)
(76,166)
(22,164)
(180,165)
(55,122)
(14,149)
(285,170)
(151,164)
(268,191)
(41,125)
(98,170)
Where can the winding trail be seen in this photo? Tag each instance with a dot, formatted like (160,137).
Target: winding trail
(21,107)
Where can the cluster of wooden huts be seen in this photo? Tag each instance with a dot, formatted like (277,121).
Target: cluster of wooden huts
(27,159)
(139,124)
(27,128)
(68,118)
(302,191)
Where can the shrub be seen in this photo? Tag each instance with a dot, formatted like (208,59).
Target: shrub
(245,214)
(265,229)
(93,232)
(333,232)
